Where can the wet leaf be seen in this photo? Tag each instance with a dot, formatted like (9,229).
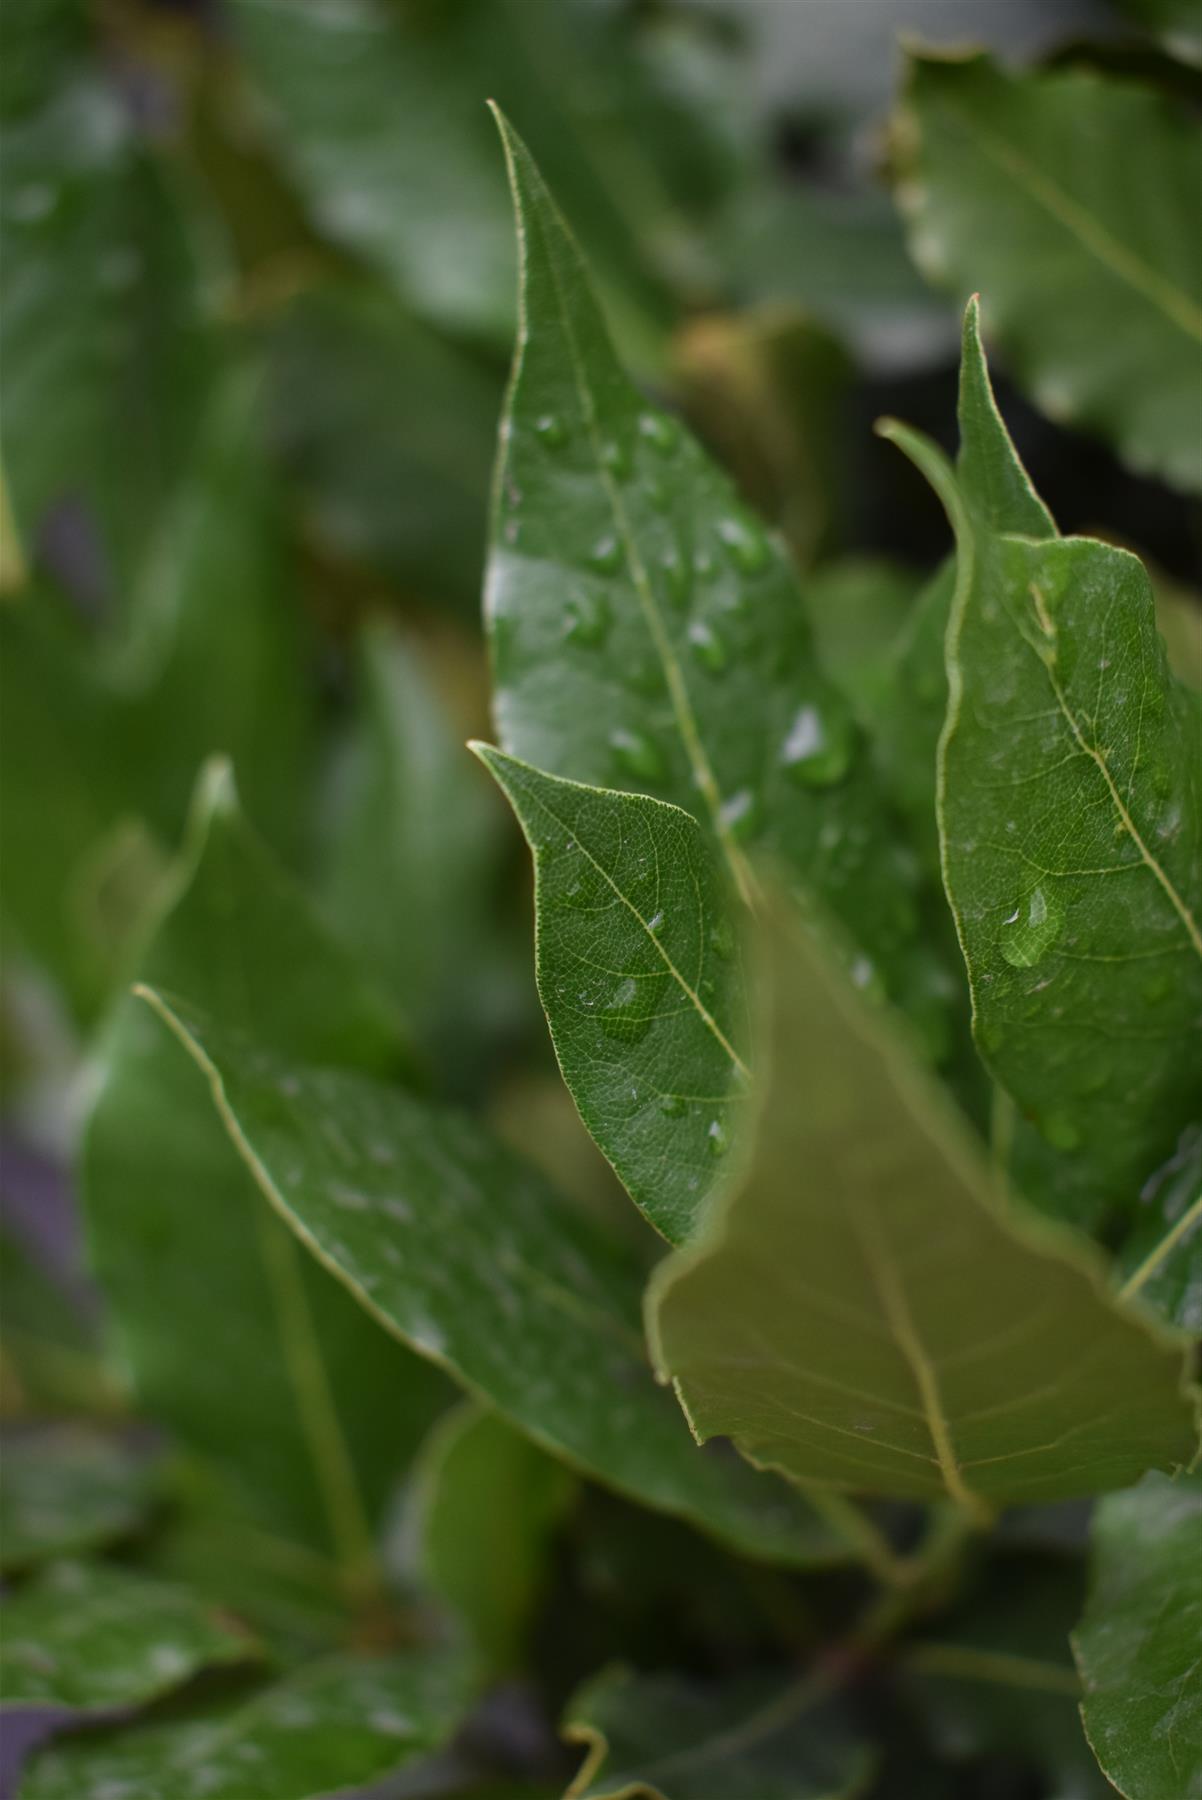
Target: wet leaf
(69,1489)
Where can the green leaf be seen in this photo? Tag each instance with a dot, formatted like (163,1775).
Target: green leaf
(859,606)
(70,1489)
(1071,822)
(1158,1259)
(858,1313)
(996,1680)
(332,1726)
(486,1505)
(1137,1643)
(1033,188)
(639,976)
(646,632)
(658,1737)
(95,241)
(50,1357)
(305,1405)
(388,432)
(1175,22)
(93,1636)
(411,871)
(465,1253)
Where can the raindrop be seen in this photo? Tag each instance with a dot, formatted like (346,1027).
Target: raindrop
(661,431)
(718,1140)
(620,1017)
(637,755)
(722,938)
(818,748)
(657,492)
(677,579)
(672,1105)
(741,814)
(745,544)
(551,430)
(606,554)
(708,647)
(656,923)
(616,459)
(588,619)
(1030,930)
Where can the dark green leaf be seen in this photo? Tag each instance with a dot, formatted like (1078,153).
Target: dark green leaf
(1158,1259)
(330,1727)
(1175,22)
(303,1403)
(94,1636)
(658,1737)
(639,975)
(1033,188)
(1071,820)
(70,1489)
(487,1502)
(857,1311)
(50,1355)
(465,1253)
(1137,1643)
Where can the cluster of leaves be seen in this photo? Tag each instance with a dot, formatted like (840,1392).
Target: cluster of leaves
(867,926)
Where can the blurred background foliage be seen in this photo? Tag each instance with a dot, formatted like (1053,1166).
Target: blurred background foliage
(258,305)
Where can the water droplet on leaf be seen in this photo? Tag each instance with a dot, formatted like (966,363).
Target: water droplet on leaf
(719,1143)
(709,649)
(606,554)
(588,619)
(1030,930)
(745,544)
(741,814)
(637,755)
(818,748)
(551,430)
(661,431)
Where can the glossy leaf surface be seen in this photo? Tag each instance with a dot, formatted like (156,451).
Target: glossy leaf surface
(92,1636)
(465,1253)
(1071,820)
(291,1397)
(1033,189)
(646,632)
(330,1727)
(659,1737)
(1137,1643)
(859,1312)
(70,1489)
(640,978)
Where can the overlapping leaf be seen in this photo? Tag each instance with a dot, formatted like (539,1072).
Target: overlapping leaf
(465,1253)
(857,1312)
(329,1728)
(95,1636)
(1034,188)
(1137,1643)
(1071,824)
(70,1489)
(659,1737)
(303,1403)
(1159,1256)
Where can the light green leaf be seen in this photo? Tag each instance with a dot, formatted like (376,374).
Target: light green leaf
(463,1251)
(858,1313)
(70,1489)
(996,1679)
(1137,1643)
(94,240)
(94,1636)
(1071,821)
(308,1409)
(388,432)
(411,872)
(647,633)
(658,1737)
(639,975)
(330,1727)
(1033,188)
(486,1503)
(1158,1259)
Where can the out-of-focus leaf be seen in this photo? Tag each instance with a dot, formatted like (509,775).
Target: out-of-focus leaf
(647,634)
(67,1490)
(304,1404)
(658,1737)
(859,1313)
(769,391)
(1175,22)
(858,607)
(487,1501)
(912,706)
(1033,188)
(50,1356)
(1179,622)
(42,37)
(327,1729)
(465,1253)
(374,101)
(412,863)
(1137,1643)
(93,1636)
(1070,812)
(996,1681)
(640,978)
(1159,1258)
(388,432)
(105,348)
